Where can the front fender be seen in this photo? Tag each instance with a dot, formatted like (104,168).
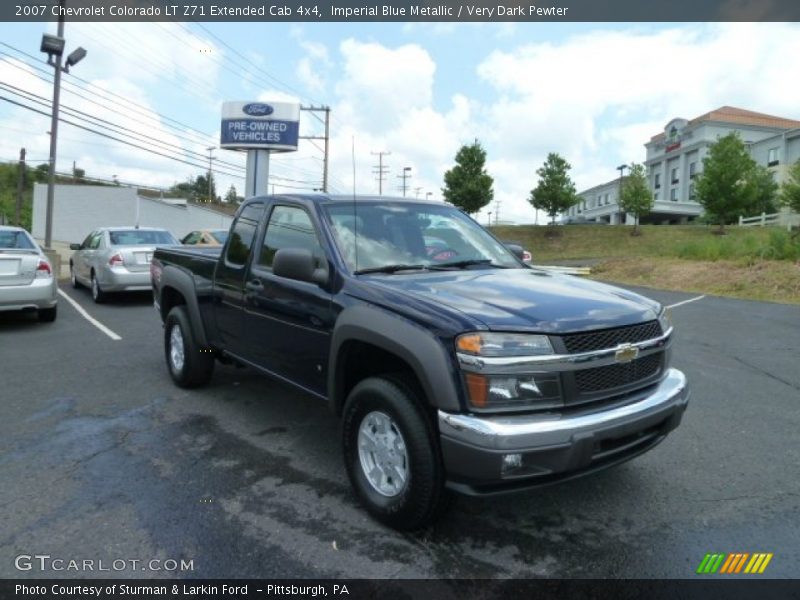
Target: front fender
(414,344)
(183,283)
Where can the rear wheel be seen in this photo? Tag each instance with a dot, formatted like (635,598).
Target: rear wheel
(48,315)
(188,364)
(98,295)
(392,454)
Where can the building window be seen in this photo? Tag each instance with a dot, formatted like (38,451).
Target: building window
(692,170)
(772,157)
(673,194)
(655,196)
(692,194)
(675,175)
(657,181)
(607,200)
(584,205)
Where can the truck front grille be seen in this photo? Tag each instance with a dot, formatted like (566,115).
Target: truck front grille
(609,377)
(576,343)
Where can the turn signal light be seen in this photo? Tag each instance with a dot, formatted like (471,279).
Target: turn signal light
(478,388)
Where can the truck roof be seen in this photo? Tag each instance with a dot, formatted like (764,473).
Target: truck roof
(345,198)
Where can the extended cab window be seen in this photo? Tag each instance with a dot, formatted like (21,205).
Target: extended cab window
(289,227)
(242,234)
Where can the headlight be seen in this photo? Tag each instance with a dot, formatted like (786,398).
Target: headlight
(503,344)
(665,320)
(513,392)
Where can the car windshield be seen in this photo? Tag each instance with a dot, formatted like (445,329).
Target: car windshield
(220,235)
(16,239)
(140,237)
(382,235)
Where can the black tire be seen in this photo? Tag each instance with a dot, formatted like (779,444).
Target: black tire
(74,280)
(48,315)
(197,365)
(98,295)
(423,497)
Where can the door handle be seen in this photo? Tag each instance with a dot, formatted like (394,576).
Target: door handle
(254,286)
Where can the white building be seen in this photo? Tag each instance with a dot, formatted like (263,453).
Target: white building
(78,209)
(675,157)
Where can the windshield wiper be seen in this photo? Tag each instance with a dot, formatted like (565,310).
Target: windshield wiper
(391,269)
(460,264)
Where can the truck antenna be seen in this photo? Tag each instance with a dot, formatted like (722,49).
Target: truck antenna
(355,213)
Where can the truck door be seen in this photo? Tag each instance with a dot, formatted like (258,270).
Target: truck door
(289,322)
(230,275)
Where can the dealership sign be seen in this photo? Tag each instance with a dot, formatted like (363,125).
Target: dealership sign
(260,125)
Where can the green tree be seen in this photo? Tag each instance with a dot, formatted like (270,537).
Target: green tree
(636,197)
(728,185)
(555,191)
(231,197)
(790,190)
(467,185)
(766,191)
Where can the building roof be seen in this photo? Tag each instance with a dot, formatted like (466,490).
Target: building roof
(614,181)
(740,116)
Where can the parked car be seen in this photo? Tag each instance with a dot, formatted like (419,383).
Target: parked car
(452,368)
(116,259)
(205,237)
(27,281)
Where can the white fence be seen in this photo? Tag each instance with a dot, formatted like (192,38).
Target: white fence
(784,218)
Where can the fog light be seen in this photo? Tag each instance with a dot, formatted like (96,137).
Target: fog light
(511,462)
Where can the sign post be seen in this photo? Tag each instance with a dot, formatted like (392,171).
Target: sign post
(260,128)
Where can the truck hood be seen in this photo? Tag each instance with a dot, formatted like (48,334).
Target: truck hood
(524,299)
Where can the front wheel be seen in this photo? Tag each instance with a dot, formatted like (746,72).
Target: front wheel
(391,453)
(189,365)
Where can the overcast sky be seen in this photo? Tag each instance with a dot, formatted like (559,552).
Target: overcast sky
(593,92)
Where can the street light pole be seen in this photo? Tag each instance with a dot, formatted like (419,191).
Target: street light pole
(621,170)
(53,46)
(51,176)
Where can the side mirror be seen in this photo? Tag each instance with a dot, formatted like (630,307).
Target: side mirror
(516,250)
(74,246)
(299,264)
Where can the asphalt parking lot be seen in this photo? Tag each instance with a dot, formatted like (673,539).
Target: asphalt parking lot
(102,457)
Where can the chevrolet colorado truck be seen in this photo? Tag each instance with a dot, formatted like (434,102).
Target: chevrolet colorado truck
(452,365)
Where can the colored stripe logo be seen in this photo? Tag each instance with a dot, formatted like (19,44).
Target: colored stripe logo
(734,563)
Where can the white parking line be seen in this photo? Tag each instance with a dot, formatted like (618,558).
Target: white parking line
(90,318)
(686,301)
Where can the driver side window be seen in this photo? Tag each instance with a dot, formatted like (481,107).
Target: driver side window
(289,227)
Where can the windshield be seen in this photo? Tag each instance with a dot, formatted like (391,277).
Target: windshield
(16,239)
(141,237)
(411,234)
(220,235)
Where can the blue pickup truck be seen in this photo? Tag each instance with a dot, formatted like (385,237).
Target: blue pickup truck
(452,365)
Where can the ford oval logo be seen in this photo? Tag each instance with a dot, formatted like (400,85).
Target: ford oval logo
(257,109)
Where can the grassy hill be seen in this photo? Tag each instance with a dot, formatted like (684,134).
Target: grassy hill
(749,262)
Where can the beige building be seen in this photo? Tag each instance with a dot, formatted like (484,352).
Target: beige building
(674,158)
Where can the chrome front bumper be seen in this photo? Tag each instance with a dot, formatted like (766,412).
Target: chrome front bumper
(556,446)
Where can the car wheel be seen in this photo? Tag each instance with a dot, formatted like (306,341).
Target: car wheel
(98,295)
(75,283)
(391,453)
(48,315)
(188,364)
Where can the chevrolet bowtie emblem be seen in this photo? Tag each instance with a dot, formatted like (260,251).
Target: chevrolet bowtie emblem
(626,353)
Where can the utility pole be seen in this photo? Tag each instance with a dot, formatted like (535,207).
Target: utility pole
(406,174)
(621,170)
(496,211)
(20,186)
(417,191)
(380,170)
(210,149)
(325,139)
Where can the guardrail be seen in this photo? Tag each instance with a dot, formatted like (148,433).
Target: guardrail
(783,218)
